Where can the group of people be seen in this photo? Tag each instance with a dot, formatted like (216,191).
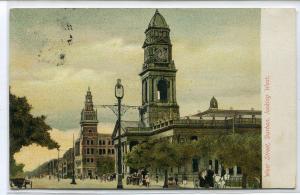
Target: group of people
(208,179)
(140,178)
(108,177)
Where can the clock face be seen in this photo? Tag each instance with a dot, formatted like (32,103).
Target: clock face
(161,54)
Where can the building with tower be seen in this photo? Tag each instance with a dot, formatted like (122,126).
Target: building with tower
(158,74)
(159,113)
(91,146)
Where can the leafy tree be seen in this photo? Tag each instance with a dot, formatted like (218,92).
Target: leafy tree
(243,150)
(153,155)
(164,155)
(105,165)
(185,152)
(139,157)
(25,129)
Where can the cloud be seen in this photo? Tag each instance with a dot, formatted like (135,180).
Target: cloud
(216,52)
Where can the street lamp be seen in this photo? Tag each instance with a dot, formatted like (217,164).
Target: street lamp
(119,93)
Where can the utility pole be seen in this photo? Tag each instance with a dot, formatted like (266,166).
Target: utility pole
(58,165)
(73,158)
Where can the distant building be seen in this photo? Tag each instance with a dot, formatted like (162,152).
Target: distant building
(91,145)
(159,112)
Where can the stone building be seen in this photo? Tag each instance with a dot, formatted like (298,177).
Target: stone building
(91,146)
(159,112)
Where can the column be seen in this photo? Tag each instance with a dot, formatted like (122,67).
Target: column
(235,170)
(174,89)
(154,89)
(170,90)
(150,89)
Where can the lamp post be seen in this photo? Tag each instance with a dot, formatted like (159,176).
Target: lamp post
(73,159)
(119,93)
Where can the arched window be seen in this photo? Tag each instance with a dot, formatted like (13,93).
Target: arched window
(162,90)
(108,151)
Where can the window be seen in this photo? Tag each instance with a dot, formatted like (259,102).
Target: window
(108,151)
(92,150)
(231,171)
(88,151)
(92,142)
(104,152)
(92,160)
(195,165)
(87,142)
(112,151)
(162,90)
(100,142)
(103,142)
(108,142)
(87,160)
(100,151)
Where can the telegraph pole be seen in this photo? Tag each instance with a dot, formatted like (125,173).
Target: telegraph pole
(73,158)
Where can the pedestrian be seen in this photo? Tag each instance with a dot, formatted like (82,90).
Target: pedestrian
(184,180)
(176,179)
(202,182)
(147,178)
(210,177)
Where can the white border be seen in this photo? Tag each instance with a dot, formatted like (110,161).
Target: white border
(4,15)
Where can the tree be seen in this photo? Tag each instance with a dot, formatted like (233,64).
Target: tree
(164,155)
(139,157)
(105,165)
(185,152)
(243,150)
(25,129)
(153,155)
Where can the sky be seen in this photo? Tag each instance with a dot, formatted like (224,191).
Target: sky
(56,54)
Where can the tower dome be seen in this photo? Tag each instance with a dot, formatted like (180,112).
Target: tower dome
(158,21)
(213,103)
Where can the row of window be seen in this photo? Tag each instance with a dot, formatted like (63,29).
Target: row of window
(101,142)
(101,151)
(109,151)
(88,160)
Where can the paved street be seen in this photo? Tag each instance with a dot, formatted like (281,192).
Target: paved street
(44,183)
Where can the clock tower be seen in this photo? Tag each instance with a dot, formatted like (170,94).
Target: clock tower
(158,74)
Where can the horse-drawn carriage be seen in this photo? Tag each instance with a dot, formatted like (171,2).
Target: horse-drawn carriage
(20,183)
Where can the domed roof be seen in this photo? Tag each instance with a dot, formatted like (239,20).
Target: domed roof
(158,21)
(213,103)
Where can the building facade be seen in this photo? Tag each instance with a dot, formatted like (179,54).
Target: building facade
(91,146)
(159,112)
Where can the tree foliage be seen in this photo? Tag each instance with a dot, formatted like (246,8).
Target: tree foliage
(25,129)
(105,165)
(243,150)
